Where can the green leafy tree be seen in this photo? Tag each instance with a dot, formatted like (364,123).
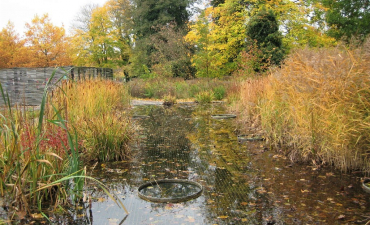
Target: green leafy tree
(103,35)
(216,3)
(263,30)
(171,57)
(302,22)
(218,36)
(347,18)
(149,17)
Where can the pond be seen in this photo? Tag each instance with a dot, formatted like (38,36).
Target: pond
(243,182)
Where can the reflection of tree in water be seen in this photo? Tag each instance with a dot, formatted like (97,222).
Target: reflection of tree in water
(223,167)
(165,150)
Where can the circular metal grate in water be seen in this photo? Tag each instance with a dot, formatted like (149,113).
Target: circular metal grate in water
(223,116)
(365,185)
(171,190)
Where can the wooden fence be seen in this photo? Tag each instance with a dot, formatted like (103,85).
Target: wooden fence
(25,86)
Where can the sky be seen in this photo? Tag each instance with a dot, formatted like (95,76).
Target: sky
(61,12)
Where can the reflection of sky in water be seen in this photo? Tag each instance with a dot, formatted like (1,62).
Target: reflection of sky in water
(243,182)
(170,190)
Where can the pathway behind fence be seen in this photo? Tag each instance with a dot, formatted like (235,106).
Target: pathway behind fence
(25,86)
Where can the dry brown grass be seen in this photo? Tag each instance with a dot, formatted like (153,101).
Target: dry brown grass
(317,106)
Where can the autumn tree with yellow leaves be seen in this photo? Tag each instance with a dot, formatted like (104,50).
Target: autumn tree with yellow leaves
(104,41)
(47,43)
(13,52)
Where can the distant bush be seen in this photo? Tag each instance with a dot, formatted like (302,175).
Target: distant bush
(158,88)
(204,97)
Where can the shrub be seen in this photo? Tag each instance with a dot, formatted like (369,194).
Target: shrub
(204,97)
(169,100)
(219,92)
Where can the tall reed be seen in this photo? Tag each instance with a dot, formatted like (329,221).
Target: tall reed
(316,107)
(28,160)
(95,108)
(39,157)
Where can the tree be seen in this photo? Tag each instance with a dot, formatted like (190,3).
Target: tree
(149,17)
(13,52)
(104,40)
(263,31)
(347,18)
(171,57)
(216,3)
(101,31)
(120,12)
(83,19)
(218,36)
(149,14)
(48,43)
(301,22)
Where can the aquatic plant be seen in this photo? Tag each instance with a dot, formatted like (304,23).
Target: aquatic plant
(40,160)
(30,161)
(95,108)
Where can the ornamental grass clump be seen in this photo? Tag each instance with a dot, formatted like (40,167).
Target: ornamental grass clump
(95,107)
(38,159)
(316,107)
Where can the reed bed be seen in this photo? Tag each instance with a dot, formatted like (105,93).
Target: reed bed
(40,153)
(316,106)
(35,158)
(96,109)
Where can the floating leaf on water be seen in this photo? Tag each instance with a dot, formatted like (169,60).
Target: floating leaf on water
(36,216)
(190,219)
(223,217)
(101,199)
(341,217)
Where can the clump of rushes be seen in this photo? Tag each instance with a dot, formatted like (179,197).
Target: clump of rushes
(33,157)
(40,159)
(94,107)
(317,106)
(204,97)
